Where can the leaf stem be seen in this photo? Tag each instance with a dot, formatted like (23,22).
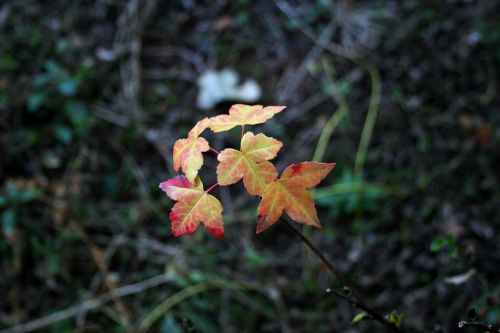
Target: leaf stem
(339,114)
(211,187)
(316,250)
(351,296)
(214,150)
(242,131)
(367,131)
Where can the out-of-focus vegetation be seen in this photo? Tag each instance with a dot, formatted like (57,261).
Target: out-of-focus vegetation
(403,95)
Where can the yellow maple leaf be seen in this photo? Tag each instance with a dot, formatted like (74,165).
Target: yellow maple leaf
(188,153)
(241,115)
(250,163)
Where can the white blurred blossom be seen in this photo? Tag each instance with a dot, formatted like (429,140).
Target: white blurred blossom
(218,86)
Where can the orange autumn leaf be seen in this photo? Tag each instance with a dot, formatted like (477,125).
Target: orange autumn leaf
(250,163)
(289,193)
(241,115)
(188,153)
(193,206)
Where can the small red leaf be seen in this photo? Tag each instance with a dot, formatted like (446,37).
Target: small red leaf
(170,185)
(194,205)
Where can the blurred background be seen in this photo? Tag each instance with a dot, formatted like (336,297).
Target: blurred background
(402,95)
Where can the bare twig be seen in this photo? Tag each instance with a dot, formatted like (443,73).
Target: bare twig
(487,327)
(17,242)
(350,296)
(472,321)
(129,36)
(170,74)
(140,178)
(98,257)
(177,298)
(275,295)
(311,102)
(176,51)
(300,73)
(309,33)
(90,304)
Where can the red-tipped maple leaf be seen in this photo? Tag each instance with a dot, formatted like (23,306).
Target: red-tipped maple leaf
(289,193)
(188,153)
(241,115)
(250,163)
(194,205)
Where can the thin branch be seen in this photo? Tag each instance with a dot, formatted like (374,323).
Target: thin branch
(309,33)
(292,83)
(98,257)
(371,116)
(316,250)
(487,327)
(351,296)
(90,304)
(175,299)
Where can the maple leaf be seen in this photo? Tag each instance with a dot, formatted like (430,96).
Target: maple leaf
(289,193)
(188,153)
(199,127)
(193,206)
(250,163)
(241,115)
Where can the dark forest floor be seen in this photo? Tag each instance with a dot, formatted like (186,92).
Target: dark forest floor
(93,96)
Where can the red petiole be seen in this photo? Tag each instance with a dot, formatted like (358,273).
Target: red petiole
(215,150)
(211,187)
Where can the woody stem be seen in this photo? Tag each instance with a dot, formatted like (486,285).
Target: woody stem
(352,297)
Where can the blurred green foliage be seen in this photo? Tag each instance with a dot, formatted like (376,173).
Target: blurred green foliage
(445,243)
